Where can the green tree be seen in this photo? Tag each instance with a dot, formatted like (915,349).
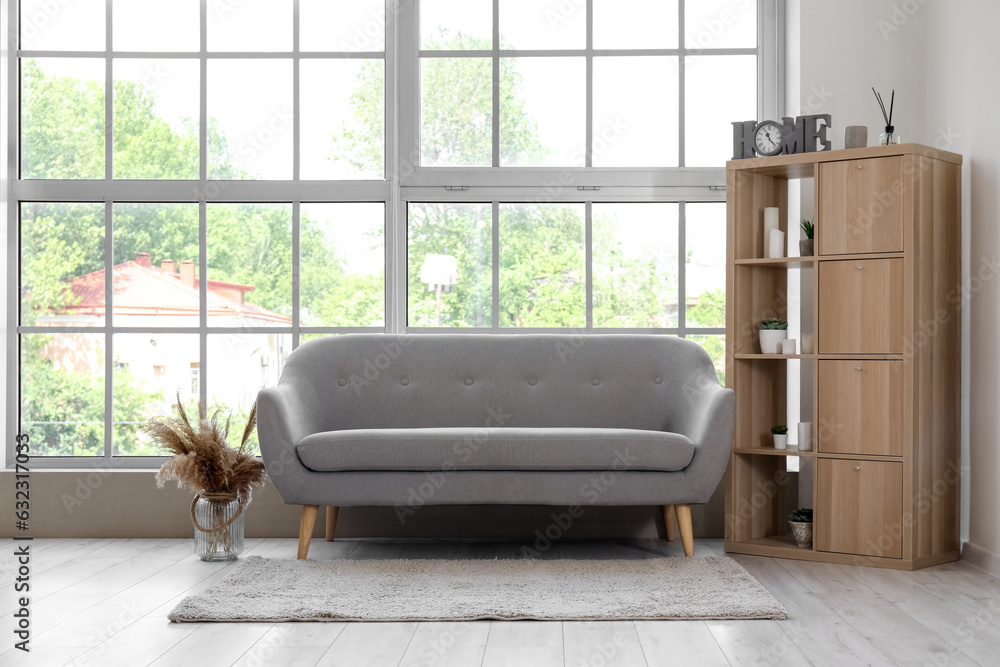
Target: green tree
(63,138)
(710,311)
(542,254)
(63,410)
(631,290)
(62,125)
(462,231)
(542,266)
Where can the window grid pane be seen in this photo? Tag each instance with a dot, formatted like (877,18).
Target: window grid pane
(342,265)
(450,265)
(150,372)
(635,265)
(156,269)
(636,268)
(634,96)
(62,393)
(542,265)
(62,118)
(543,255)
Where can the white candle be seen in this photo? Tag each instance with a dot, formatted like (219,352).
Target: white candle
(770,223)
(776,243)
(805,436)
(770,220)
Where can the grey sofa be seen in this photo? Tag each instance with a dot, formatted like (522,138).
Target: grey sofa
(471,419)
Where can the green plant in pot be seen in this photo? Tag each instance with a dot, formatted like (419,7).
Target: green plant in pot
(772,332)
(780,435)
(806,244)
(801,521)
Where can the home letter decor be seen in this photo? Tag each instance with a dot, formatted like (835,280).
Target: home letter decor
(803,134)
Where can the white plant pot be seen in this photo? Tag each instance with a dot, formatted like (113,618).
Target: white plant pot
(770,340)
(780,441)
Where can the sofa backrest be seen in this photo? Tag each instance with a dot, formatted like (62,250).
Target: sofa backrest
(477,380)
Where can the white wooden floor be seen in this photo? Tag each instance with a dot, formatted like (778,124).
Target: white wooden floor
(103,603)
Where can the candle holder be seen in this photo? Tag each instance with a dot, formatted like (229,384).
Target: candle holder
(855,136)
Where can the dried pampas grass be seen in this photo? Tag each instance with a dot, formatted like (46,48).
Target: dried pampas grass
(203,460)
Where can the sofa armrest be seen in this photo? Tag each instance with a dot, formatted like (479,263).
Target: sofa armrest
(708,419)
(286,413)
(704,404)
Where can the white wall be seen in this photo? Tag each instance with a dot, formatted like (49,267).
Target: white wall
(845,50)
(963,100)
(941,57)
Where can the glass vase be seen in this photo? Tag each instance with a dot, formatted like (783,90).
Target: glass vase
(218,525)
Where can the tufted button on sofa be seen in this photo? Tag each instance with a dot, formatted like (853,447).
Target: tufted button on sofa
(375,419)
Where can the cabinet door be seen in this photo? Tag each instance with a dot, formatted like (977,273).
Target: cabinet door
(862,206)
(859,507)
(861,407)
(861,306)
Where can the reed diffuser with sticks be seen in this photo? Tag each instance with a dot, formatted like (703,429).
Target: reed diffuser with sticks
(222,477)
(889,136)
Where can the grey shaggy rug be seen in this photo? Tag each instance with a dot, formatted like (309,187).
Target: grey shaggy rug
(273,590)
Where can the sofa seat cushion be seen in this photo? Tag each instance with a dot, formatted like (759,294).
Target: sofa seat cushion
(429,449)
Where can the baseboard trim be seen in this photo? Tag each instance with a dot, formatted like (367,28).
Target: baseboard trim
(90,503)
(984,559)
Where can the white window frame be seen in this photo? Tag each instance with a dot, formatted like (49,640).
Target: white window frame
(405,182)
(587,184)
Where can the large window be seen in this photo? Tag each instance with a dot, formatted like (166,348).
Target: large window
(574,83)
(191,205)
(199,187)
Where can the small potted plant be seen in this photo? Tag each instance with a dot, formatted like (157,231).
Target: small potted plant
(772,332)
(806,244)
(222,477)
(780,434)
(801,521)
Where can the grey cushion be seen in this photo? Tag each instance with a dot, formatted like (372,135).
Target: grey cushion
(428,449)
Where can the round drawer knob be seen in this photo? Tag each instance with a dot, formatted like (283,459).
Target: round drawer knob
(857,368)
(532,382)
(404,382)
(342,382)
(595,382)
(858,267)
(468,381)
(859,166)
(857,467)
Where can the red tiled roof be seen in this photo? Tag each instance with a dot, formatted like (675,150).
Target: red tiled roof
(142,290)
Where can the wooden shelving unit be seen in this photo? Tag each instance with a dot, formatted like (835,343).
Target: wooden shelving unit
(885,392)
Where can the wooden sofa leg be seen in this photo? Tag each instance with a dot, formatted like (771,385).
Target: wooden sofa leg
(668,521)
(687,533)
(331,521)
(306,524)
